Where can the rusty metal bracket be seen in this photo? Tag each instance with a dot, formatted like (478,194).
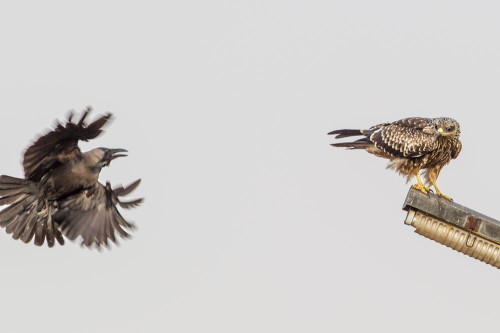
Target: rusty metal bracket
(473,224)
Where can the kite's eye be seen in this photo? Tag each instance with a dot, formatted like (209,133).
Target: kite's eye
(450,128)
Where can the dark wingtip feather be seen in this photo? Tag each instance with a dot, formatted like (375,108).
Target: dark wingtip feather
(130,204)
(84,116)
(352,145)
(342,144)
(95,128)
(58,236)
(344,133)
(40,233)
(4,179)
(119,192)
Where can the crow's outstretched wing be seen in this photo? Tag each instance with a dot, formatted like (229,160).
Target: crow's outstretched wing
(60,145)
(92,214)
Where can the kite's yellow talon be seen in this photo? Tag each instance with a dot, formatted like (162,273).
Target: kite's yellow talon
(439,194)
(444,196)
(422,188)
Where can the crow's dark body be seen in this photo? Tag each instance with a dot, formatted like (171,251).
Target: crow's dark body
(67,178)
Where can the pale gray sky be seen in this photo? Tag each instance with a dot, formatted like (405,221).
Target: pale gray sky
(252,222)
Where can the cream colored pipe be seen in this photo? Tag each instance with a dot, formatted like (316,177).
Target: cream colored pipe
(458,239)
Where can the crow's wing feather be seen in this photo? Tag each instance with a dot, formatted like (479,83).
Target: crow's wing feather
(92,214)
(59,145)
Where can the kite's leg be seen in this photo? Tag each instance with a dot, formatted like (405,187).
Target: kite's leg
(420,186)
(438,192)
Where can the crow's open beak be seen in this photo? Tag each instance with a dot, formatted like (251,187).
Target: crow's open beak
(111,154)
(114,153)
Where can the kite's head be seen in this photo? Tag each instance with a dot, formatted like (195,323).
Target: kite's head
(447,127)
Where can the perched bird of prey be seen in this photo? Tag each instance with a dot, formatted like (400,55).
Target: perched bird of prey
(60,193)
(411,145)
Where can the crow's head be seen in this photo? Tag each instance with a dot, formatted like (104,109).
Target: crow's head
(101,157)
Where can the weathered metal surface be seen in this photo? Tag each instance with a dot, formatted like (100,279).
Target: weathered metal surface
(454,214)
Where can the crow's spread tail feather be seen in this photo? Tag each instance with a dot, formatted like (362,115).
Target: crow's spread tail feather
(28,215)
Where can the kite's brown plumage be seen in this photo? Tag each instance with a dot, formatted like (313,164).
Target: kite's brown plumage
(411,145)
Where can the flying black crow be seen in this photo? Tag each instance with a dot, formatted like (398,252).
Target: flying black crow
(60,193)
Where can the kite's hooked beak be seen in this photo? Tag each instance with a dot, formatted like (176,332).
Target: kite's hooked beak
(440,132)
